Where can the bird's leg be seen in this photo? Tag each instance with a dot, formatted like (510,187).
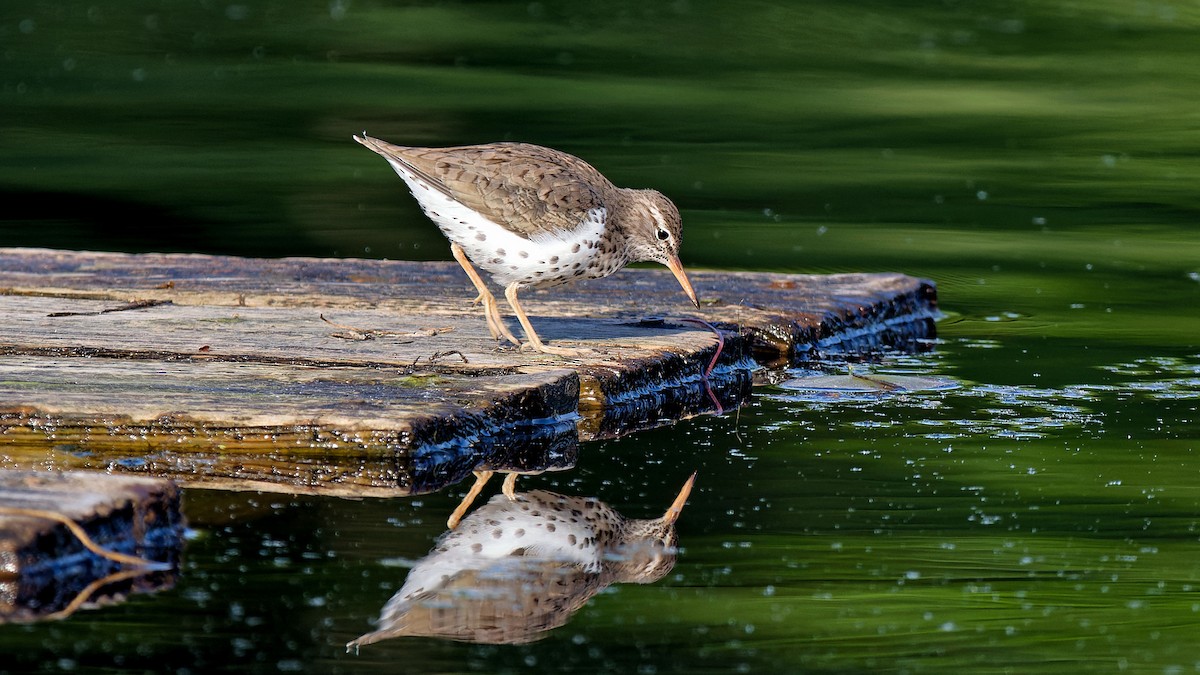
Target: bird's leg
(534,341)
(495,324)
(510,486)
(481,479)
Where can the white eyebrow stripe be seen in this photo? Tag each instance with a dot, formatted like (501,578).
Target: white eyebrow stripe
(662,224)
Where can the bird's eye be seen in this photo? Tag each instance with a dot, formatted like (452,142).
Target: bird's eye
(663,235)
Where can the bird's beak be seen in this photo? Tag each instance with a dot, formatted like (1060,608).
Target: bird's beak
(672,513)
(676,268)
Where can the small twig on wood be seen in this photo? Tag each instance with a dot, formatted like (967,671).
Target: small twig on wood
(437,355)
(430,332)
(355,333)
(136,304)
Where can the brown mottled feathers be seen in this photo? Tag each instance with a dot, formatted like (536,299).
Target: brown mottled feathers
(527,188)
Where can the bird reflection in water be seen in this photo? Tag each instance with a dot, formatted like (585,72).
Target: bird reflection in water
(515,569)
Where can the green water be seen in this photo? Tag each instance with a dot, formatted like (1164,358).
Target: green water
(1039,160)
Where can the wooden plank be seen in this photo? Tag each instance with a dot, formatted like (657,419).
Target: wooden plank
(788,313)
(347,431)
(44,566)
(221,371)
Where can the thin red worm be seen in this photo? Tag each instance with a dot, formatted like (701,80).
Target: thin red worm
(713,362)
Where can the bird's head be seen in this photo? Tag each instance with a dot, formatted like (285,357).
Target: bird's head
(655,232)
(648,550)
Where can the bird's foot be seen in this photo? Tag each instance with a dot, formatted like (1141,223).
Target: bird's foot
(510,487)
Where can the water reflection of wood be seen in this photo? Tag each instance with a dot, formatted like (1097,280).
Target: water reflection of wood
(515,569)
(68,540)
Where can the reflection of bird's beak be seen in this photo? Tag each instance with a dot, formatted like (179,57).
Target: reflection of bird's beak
(672,513)
(676,268)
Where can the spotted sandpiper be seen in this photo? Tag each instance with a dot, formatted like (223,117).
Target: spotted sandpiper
(534,217)
(518,568)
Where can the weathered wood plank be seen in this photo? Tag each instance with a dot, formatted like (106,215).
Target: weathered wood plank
(225,374)
(789,313)
(350,431)
(43,566)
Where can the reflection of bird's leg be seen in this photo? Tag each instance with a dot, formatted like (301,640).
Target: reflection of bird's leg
(481,479)
(495,324)
(510,486)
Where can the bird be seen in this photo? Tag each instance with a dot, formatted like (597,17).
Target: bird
(518,568)
(534,217)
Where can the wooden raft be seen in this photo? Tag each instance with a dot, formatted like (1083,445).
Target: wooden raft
(220,372)
(45,568)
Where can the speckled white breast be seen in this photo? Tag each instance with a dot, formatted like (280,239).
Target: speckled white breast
(545,260)
(534,530)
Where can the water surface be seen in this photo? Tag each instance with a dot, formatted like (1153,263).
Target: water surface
(1036,159)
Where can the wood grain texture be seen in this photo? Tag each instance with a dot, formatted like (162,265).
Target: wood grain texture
(220,371)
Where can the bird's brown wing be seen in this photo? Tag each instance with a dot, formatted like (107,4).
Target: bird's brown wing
(513,601)
(529,189)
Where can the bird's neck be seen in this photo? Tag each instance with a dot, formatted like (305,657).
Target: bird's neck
(630,211)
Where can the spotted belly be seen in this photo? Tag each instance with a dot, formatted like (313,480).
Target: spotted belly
(546,259)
